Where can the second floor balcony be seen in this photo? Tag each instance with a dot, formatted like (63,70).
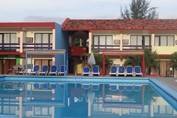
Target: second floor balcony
(12,47)
(101,48)
(37,46)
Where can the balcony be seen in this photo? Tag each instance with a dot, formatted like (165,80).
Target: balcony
(101,48)
(77,50)
(37,46)
(9,47)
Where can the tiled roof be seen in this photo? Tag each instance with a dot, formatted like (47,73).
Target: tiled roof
(26,24)
(120,24)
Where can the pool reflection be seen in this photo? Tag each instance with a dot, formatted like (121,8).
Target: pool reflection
(61,100)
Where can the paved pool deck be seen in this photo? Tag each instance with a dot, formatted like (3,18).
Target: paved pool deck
(169,81)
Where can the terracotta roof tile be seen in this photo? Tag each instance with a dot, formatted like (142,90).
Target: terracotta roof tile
(119,24)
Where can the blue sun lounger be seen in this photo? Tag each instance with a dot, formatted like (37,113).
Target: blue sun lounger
(113,71)
(86,71)
(44,70)
(137,71)
(95,70)
(129,71)
(62,70)
(35,70)
(121,71)
(53,70)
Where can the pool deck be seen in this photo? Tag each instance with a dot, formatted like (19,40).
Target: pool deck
(169,81)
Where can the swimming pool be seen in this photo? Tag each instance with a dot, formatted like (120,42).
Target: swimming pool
(82,97)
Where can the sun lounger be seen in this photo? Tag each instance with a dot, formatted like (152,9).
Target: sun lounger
(62,70)
(35,70)
(113,71)
(121,71)
(129,71)
(95,70)
(137,71)
(53,70)
(86,71)
(44,70)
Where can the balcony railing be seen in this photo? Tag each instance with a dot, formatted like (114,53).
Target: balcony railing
(101,48)
(37,46)
(77,50)
(9,47)
(136,47)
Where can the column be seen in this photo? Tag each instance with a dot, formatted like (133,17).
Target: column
(21,45)
(121,40)
(53,45)
(152,41)
(90,41)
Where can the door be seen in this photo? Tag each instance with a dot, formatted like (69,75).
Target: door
(165,69)
(8,65)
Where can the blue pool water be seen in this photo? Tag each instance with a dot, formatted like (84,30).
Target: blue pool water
(81,98)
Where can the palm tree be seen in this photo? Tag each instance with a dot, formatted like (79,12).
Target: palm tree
(151,60)
(174,60)
(133,60)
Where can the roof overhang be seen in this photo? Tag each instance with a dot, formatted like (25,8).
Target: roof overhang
(45,52)
(123,53)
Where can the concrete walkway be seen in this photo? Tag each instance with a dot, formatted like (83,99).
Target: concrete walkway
(169,81)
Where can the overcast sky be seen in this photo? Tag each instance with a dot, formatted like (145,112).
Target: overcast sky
(57,10)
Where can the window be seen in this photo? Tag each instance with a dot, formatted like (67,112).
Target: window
(43,39)
(9,40)
(101,41)
(139,41)
(164,40)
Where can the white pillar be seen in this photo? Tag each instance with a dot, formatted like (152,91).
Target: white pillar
(152,41)
(53,39)
(121,40)
(53,44)
(90,41)
(22,37)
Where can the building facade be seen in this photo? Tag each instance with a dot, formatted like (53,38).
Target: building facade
(17,38)
(123,35)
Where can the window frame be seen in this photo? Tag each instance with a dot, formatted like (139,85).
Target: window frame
(106,38)
(167,38)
